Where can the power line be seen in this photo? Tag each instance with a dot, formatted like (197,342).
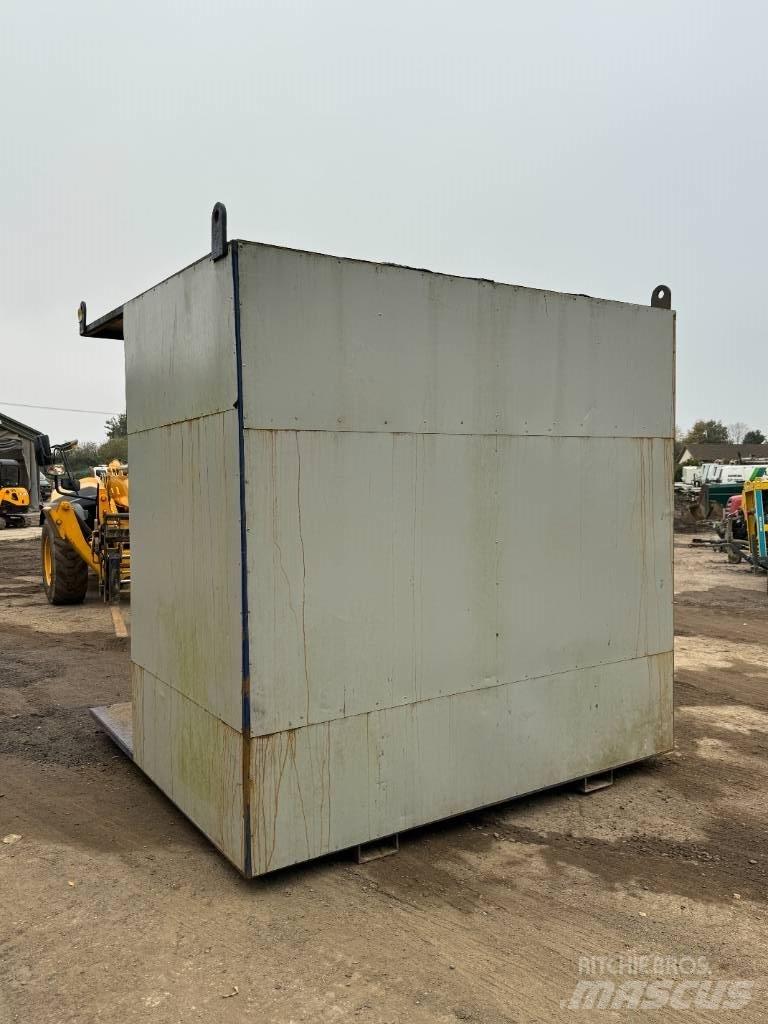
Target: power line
(58,408)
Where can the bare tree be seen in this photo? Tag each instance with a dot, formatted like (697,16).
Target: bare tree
(737,432)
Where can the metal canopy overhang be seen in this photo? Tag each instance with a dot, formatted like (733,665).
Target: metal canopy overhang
(108,326)
(111,324)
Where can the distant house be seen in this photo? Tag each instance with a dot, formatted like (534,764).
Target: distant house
(724,453)
(17,442)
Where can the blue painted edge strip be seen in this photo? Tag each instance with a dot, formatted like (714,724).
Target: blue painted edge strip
(246,651)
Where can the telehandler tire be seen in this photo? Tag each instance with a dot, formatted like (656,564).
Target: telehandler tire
(65,574)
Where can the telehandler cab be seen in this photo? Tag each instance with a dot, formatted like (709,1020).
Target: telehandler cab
(14,496)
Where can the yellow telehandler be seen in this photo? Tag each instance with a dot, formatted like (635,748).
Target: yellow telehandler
(85,526)
(14,495)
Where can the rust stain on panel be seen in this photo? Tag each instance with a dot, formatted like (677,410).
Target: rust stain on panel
(291,794)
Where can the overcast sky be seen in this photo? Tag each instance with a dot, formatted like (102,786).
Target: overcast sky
(588,147)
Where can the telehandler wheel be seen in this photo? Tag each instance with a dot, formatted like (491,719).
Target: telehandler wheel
(65,574)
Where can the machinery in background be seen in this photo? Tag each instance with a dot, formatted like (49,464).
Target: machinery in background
(755,507)
(718,483)
(86,485)
(742,532)
(14,495)
(733,525)
(85,527)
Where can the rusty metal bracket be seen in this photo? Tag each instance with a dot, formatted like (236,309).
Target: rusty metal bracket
(219,232)
(661,297)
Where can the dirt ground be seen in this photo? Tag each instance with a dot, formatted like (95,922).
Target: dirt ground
(114,908)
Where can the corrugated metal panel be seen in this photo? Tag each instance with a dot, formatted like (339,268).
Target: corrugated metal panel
(388,569)
(333,344)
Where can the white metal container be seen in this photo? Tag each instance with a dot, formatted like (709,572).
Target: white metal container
(402,544)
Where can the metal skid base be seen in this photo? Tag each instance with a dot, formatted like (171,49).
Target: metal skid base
(592,783)
(117,722)
(378,848)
